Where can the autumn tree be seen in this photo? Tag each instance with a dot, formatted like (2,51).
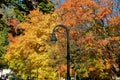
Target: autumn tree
(12,12)
(34,46)
(95,41)
(94,27)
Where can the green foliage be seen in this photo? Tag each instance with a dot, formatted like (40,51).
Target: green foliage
(3,37)
(46,7)
(3,42)
(18,9)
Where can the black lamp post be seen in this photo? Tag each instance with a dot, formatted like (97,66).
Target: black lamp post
(53,38)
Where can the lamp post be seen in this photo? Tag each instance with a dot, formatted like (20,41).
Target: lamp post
(53,38)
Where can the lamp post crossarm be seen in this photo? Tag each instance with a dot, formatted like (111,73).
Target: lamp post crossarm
(62,26)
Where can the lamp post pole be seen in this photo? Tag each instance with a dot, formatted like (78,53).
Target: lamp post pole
(53,38)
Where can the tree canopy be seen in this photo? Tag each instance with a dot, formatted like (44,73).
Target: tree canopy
(94,37)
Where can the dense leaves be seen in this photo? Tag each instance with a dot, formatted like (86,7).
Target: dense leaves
(33,46)
(94,37)
(12,12)
(3,40)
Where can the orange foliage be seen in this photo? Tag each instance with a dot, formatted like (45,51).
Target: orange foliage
(115,21)
(93,40)
(63,68)
(102,42)
(73,12)
(11,38)
(13,22)
(104,11)
(86,39)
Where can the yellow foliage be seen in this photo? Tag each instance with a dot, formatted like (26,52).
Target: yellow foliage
(85,74)
(91,68)
(33,45)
